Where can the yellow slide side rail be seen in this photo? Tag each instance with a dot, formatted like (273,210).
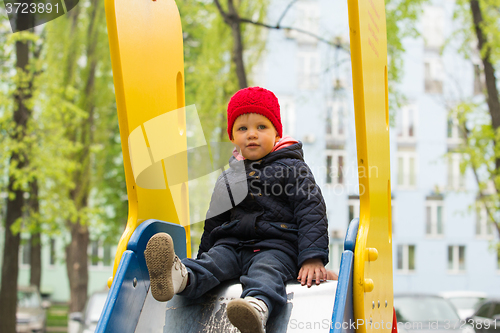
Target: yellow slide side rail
(146,46)
(372,280)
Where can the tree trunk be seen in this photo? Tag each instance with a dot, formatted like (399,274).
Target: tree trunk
(232,19)
(237,45)
(10,267)
(35,260)
(76,251)
(491,87)
(77,266)
(489,71)
(35,241)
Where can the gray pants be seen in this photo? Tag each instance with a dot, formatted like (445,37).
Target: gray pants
(262,273)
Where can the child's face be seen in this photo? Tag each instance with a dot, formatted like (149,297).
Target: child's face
(254,135)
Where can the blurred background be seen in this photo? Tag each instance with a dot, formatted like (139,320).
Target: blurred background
(63,198)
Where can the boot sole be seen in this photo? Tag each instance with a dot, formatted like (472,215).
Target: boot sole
(244,316)
(159,255)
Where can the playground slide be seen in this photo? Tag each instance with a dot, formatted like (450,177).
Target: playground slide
(130,308)
(147,56)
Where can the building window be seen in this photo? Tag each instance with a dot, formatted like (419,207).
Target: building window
(308,20)
(25,252)
(454,134)
(433,27)
(484,224)
(100,255)
(456,179)
(498,259)
(353,206)
(406,258)
(478,80)
(52,249)
(406,123)
(308,70)
(434,217)
(456,259)
(336,119)
(336,249)
(287,108)
(335,164)
(433,75)
(106,258)
(407,169)
(94,259)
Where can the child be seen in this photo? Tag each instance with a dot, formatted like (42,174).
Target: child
(279,226)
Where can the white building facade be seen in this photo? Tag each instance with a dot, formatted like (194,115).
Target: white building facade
(441,242)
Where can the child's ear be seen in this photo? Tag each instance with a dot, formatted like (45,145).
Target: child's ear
(278,138)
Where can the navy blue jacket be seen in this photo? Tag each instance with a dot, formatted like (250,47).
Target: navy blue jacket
(271,203)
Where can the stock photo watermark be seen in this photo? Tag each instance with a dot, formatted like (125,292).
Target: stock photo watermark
(352,325)
(328,324)
(212,166)
(27,14)
(297,188)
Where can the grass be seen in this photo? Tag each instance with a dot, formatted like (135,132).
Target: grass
(57,316)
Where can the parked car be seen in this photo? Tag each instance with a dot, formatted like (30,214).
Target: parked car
(427,313)
(89,318)
(486,319)
(465,302)
(31,311)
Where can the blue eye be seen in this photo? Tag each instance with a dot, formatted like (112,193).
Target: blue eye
(242,128)
(263,126)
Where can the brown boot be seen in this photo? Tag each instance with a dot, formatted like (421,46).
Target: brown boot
(167,273)
(248,314)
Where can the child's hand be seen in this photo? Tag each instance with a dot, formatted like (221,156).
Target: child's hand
(312,268)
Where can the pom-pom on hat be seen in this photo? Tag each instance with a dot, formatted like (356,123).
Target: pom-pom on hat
(254,100)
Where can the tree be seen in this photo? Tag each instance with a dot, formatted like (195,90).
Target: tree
(79,42)
(71,106)
(207,49)
(19,159)
(401,18)
(32,204)
(207,44)
(35,239)
(479,116)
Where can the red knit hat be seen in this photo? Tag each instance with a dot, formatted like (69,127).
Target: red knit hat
(254,100)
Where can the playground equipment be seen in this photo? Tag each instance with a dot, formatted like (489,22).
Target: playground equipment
(147,56)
